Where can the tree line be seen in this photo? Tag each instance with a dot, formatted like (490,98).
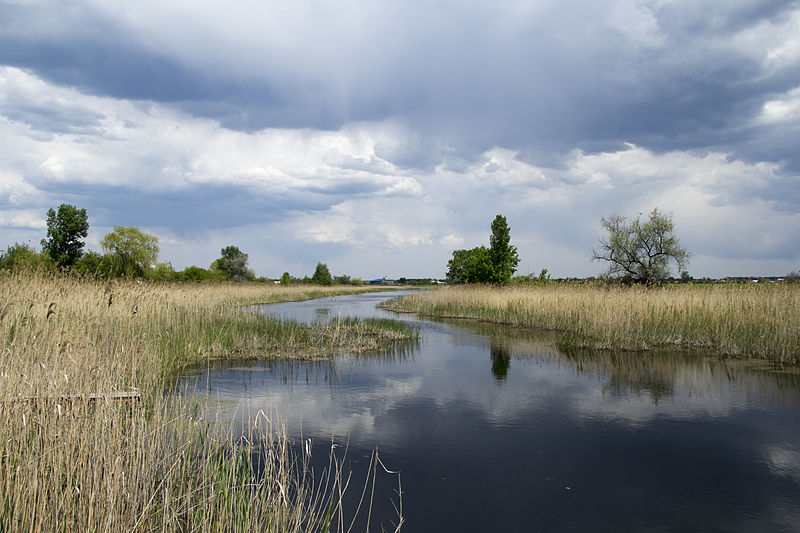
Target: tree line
(637,251)
(128,252)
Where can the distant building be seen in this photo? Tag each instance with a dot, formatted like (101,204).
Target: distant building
(382,281)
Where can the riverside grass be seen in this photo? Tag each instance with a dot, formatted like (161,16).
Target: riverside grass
(737,320)
(157,464)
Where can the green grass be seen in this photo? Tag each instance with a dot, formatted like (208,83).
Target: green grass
(226,334)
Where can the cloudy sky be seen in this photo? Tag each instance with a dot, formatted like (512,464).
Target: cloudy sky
(378,136)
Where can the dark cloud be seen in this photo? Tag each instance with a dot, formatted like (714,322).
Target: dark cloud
(553,83)
(557,77)
(108,69)
(776,142)
(714,19)
(195,210)
(76,46)
(55,119)
(200,208)
(412,153)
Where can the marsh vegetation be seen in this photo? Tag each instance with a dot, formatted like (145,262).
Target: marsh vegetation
(155,464)
(747,321)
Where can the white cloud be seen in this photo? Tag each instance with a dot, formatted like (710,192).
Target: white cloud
(500,168)
(641,177)
(783,109)
(365,223)
(783,41)
(404,186)
(339,188)
(25,218)
(451,241)
(774,42)
(15,191)
(155,148)
(335,226)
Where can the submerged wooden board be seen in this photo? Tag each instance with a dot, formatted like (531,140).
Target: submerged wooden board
(112,397)
(72,399)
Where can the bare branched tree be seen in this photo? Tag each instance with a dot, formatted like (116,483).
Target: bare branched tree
(641,251)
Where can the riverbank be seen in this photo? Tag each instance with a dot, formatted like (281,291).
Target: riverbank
(153,464)
(742,321)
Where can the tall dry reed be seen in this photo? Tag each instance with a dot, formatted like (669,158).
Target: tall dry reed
(68,465)
(736,320)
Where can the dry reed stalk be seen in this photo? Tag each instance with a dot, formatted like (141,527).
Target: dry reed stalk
(154,466)
(735,320)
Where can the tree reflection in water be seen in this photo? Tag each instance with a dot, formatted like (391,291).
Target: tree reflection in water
(501,360)
(656,374)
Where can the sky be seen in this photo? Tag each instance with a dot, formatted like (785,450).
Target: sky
(379,136)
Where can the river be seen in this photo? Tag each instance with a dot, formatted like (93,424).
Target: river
(494,429)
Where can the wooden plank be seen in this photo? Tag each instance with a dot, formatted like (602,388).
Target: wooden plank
(89,399)
(112,397)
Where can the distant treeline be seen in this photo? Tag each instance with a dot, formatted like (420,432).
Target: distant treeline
(130,253)
(24,257)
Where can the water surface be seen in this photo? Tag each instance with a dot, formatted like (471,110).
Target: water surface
(495,429)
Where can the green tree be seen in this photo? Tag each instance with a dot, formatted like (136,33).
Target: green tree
(66,229)
(21,256)
(94,265)
(322,276)
(470,266)
(286,279)
(132,252)
(234,264)
(641,251)
(195,273)
(163,272)
(503,255)
(495,264)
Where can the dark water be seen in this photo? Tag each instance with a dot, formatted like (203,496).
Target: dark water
(494,429)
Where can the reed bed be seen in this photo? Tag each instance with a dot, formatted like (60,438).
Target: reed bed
(745,321)
(67,465)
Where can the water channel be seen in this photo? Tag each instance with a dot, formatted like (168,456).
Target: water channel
(494,429)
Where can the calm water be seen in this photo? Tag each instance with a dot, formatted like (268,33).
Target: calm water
(494,429)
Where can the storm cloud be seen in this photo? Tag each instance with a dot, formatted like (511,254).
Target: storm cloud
(378,136)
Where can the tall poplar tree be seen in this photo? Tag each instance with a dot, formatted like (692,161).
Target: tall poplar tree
(481,265)
(502,253)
